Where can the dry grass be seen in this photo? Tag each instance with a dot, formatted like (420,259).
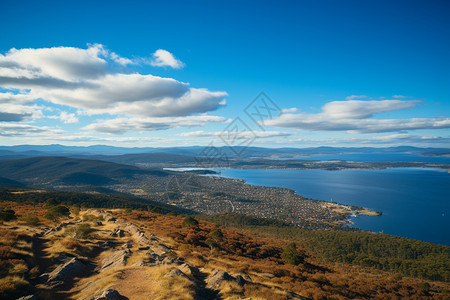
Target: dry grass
(166,287)
(242,253)
(95,284)
(68,245)
(12,287)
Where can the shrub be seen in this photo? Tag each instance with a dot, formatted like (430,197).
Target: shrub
(7,215)
(290,254)
(75,210)
(91,218)
(80,231)
(31,220)
(425,286)
(189,222)
(54,213)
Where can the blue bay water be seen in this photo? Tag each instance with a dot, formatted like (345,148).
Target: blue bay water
(415,202)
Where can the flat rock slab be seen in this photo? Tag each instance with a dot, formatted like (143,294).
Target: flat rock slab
(117,259)
(68,270)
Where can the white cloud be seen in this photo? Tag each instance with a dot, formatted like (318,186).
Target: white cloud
(15,98)
(65,117)
(122,125)
(289,110)
(357,109)
(63,63)
(163,58)
(398,96)
(12,130)
(85,79)
(355,116)
(240,134)
(353,97)
(15,108)
(386,140)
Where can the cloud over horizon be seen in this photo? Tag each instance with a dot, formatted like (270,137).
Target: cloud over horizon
(122,125)
(356,116)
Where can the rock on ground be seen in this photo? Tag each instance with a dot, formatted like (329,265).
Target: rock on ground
(217,277)
(117,259)
(68,270)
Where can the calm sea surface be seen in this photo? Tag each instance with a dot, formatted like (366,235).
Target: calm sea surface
(415,202)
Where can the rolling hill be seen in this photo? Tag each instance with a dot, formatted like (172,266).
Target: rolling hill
(72,171)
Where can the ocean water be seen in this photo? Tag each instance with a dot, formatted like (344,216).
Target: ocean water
(415,202)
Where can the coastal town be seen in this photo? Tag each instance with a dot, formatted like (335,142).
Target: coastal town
(218,195)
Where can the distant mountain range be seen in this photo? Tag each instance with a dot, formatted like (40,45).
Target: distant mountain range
(23,151)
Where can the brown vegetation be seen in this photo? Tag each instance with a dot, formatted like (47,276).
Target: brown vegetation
(257,258)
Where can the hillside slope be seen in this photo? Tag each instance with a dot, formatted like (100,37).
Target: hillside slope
(143,255)
(72,171)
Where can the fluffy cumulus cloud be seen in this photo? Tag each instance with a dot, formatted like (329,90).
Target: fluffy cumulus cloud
(356,116)
(91,80)
(122,125)
(163,58)
(65,117)
(97,81)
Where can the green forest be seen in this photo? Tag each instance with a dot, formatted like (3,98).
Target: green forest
(381,251)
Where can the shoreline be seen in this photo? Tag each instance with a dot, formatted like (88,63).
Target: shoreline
(346,211)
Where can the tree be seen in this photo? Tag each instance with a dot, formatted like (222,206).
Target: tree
(217,235)
(189,222)
(290,254)
(212,244)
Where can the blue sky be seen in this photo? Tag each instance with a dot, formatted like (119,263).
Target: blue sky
(173,73)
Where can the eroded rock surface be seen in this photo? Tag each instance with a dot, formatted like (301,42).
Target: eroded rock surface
(117,259)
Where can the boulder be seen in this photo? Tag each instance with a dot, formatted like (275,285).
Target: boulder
(175,272)
(110,294)
(187,269)
(218,277)
(138,234)
(117,259)
(117,233)
(160,249)
(66,271)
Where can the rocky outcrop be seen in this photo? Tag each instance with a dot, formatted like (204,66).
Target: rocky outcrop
(115,260)
(63,272)
(117,233)
(137,234)
(110,294)
(57,228)
(159,250)
(187,269)
(175,272)
(218,277)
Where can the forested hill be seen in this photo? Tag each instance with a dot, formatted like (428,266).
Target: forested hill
(53,169)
